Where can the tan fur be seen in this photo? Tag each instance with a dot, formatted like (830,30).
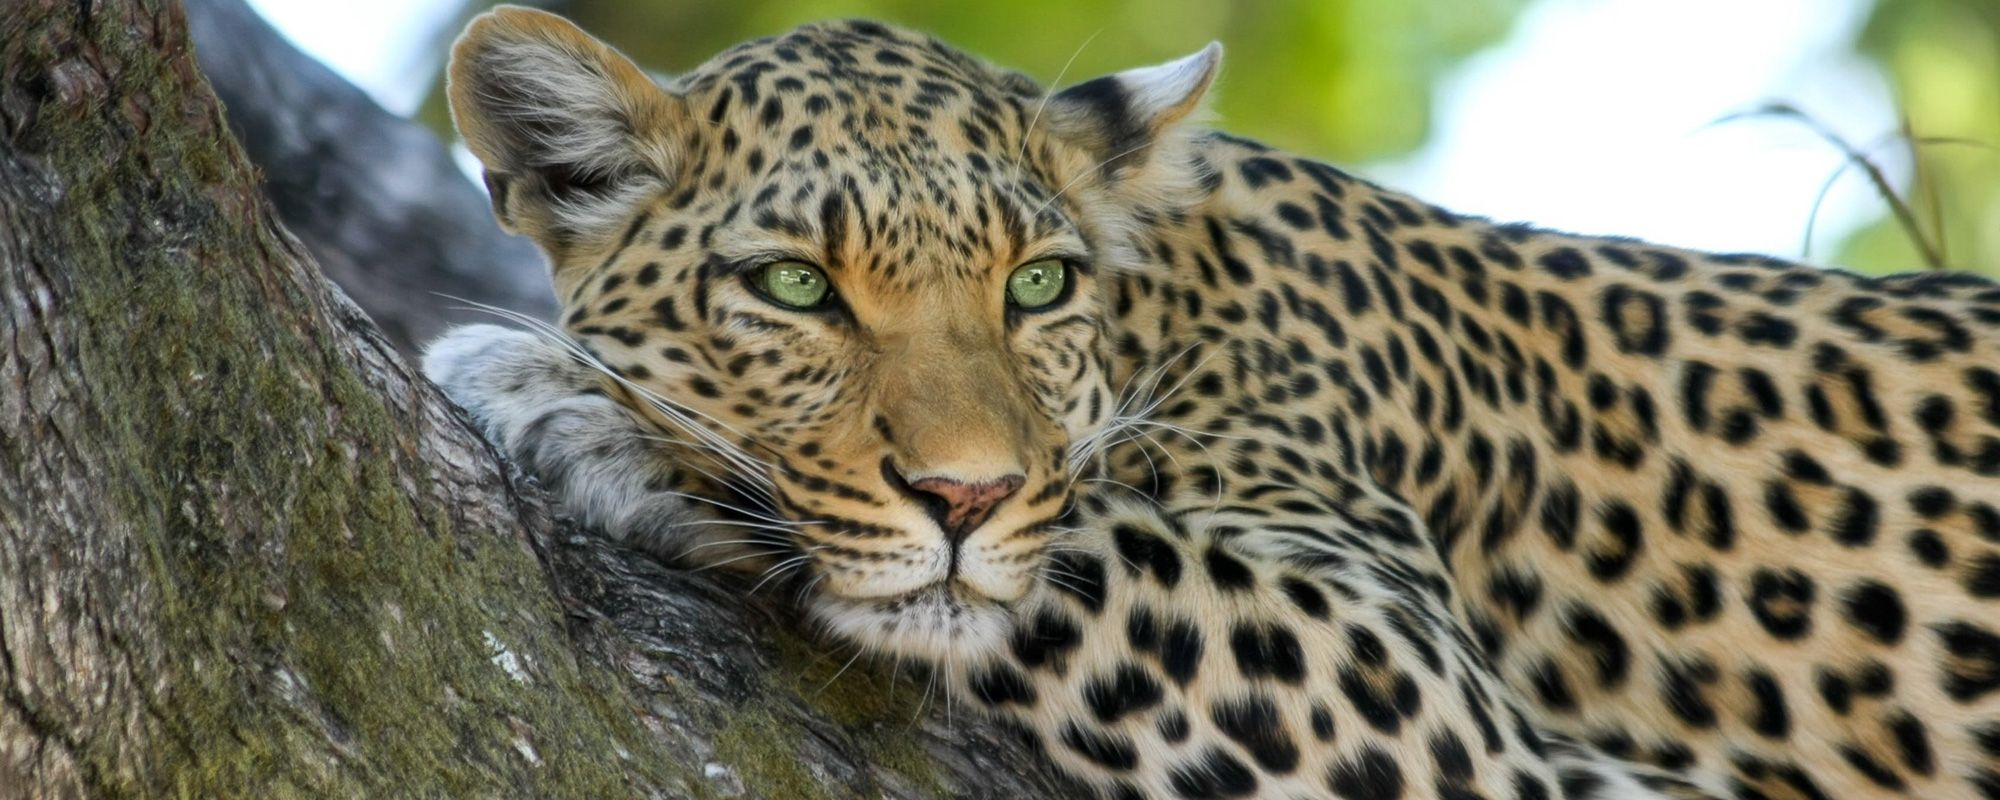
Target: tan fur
(530,92)
(1326,490)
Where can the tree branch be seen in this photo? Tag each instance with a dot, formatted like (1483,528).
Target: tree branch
(246,551)
(374,197)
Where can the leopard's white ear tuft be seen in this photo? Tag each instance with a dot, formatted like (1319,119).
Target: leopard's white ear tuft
(571,132)
(1164,94)
(1122,116)
(1130,126)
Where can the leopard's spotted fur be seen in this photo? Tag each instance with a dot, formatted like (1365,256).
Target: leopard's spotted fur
(1324,490)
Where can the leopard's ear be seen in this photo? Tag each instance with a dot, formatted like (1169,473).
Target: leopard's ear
(571,132)
(1141,161)
(1129,118)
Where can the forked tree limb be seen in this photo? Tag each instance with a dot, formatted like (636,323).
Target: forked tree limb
(245,551)
(374,197)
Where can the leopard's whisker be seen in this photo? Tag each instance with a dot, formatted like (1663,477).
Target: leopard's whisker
(1085,174)
(805,591)
(1054,87)
(784,545)
(1103,439)
(782,568)
(727,561)
(1062,582)
(751,467)
(779,521)
(1127,392)
(858,652)
(777,532)
(755,494)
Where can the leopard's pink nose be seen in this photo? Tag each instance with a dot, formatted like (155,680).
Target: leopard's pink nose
(960,507)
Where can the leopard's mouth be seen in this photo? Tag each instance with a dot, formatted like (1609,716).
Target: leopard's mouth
(947,617)
(943,619)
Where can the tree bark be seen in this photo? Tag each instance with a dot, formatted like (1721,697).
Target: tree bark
(245,551)
(374,197)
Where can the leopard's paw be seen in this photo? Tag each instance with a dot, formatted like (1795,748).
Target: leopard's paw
(549,413)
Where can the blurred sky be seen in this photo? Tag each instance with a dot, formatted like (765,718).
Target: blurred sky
(1594,116)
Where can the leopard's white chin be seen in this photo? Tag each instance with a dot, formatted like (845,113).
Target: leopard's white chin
(937,622)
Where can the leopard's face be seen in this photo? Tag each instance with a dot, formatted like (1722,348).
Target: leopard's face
(900,349)
(842,272)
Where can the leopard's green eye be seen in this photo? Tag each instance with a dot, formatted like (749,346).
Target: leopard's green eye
(792,283)
(1038,284)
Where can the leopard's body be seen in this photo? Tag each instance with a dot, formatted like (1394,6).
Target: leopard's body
(1323,490)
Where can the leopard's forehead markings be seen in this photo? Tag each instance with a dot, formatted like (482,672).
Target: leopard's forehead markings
(894,94)
(901,149)
(860,63)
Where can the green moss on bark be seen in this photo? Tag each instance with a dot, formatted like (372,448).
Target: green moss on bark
(326,628)
(310,580)
(876,708)
(762,748)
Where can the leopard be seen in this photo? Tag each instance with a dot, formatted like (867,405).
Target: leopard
(1217,471)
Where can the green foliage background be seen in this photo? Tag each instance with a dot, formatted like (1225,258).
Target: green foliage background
(1354,80)
(1943,61)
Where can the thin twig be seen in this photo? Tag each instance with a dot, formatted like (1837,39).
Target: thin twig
(1905,217)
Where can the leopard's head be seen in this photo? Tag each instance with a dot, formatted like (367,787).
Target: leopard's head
(854,276)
